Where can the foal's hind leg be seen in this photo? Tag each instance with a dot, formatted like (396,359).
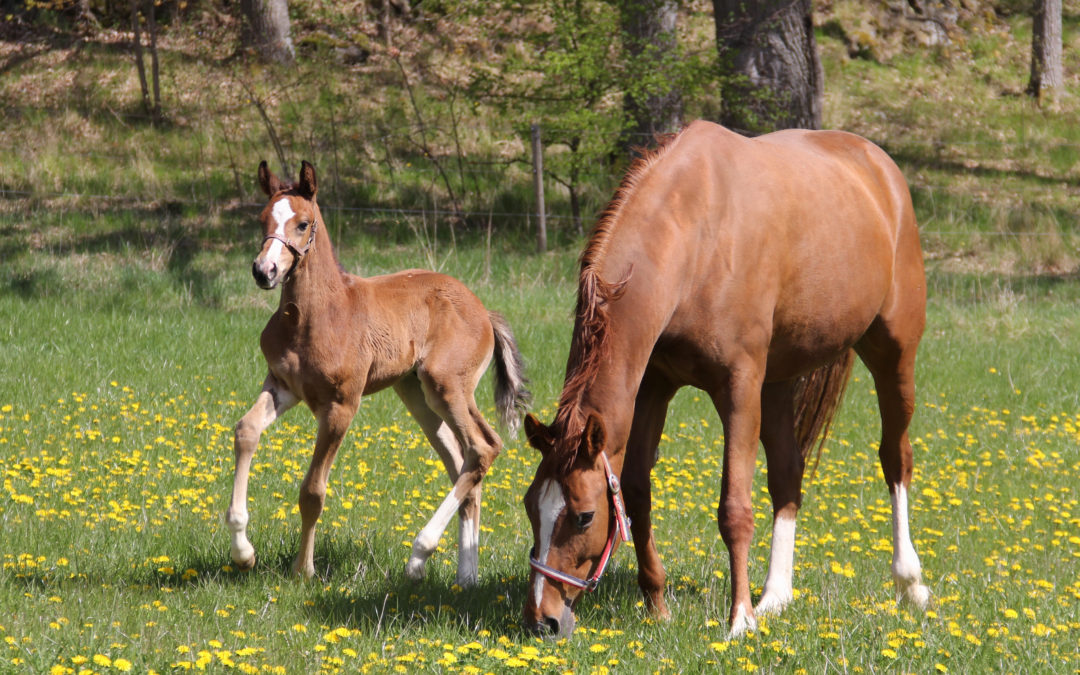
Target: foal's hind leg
(785,471)
(271,403)
(444,441)
(452,400)
(891,360)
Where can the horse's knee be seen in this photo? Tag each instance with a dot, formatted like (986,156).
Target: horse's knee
(735,520)
(311,501)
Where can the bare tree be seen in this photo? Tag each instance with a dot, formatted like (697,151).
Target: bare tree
(775,79)
(269,29)
(152,108)
(655,105)
(1046,70)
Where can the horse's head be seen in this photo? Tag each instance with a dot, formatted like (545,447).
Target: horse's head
(576,513)
(289,222)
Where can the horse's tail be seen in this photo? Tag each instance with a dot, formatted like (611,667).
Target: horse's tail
(817,398)
(511,396)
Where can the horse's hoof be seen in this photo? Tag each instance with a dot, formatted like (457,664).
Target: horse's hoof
(742,624)
(771,603)
(469,580)
(414,569)
(245,565)
(917,595)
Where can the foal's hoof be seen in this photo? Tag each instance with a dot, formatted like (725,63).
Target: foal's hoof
(917,595)
(245,565)
(414,569)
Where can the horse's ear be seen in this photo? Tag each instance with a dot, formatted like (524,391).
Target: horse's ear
(538,435)
(595,435)
(307,186)
(267,180)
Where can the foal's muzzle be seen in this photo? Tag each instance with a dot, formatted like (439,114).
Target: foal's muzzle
(265,273)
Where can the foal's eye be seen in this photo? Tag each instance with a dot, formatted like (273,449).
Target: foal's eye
(302,226)
(584,520)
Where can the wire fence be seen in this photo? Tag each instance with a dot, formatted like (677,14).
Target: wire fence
(387,173)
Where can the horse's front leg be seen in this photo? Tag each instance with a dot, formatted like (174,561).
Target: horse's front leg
(642,448)
(271,403)
(334,421)
(739,405)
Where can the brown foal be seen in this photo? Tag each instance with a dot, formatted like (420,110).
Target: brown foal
(337,337)
(750,269)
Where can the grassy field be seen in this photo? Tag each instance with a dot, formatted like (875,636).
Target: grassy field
(129,323)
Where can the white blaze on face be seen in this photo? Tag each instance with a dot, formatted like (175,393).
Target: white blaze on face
(282,213)
(551,505)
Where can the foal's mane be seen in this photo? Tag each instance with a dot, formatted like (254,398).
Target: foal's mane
(592,326)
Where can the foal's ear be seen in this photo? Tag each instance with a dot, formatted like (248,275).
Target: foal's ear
(538,435)
(267,180)
(307,186)
(595,435)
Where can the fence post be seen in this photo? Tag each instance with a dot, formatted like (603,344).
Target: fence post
(538,188)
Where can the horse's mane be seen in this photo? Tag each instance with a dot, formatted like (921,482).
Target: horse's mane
(592,327)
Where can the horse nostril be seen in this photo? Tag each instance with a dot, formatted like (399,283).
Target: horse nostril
(550,625)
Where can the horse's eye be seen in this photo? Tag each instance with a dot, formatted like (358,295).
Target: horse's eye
(584,520)
(302,226)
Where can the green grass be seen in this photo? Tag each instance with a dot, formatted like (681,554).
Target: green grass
(129,324)
(115,441)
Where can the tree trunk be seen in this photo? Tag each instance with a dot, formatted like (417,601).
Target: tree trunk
(1046,70)
(154,69)
(268,30)
(649,35)
(775,79)
(137,51)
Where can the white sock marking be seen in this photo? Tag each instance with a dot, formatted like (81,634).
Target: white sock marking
(905,564)
(778,588)
(552,503)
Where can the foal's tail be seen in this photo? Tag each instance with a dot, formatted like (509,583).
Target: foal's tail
(511,396)
(817,398)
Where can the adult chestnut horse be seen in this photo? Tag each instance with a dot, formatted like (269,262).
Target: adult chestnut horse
(750,269)
(336,337)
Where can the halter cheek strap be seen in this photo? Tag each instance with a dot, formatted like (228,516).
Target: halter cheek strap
(298,253)
(620,524)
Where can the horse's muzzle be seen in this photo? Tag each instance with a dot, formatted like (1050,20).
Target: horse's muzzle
(265,273)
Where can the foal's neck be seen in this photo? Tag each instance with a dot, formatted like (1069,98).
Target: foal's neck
(318,280)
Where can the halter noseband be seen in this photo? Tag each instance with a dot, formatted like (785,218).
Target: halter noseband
(620,524)
(298,253)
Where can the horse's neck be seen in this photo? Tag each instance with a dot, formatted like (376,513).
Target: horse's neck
(318,284)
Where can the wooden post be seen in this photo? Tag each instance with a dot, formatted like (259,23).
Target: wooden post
(538,188)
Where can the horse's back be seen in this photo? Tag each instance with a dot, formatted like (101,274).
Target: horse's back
(797,236)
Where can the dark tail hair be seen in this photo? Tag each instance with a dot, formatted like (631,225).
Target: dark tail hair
(817,398)
(511,396)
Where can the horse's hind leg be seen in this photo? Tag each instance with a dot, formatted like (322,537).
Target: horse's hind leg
(271,403)
(451,398)
(890,357)
(442,438)
(785,471)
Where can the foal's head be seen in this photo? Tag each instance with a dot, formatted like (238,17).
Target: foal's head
(571,507)
(289,223)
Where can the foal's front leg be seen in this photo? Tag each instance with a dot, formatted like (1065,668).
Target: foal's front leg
(334,421)
(271,403)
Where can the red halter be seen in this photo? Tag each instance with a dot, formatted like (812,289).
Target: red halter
(298,253)
(620,524)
